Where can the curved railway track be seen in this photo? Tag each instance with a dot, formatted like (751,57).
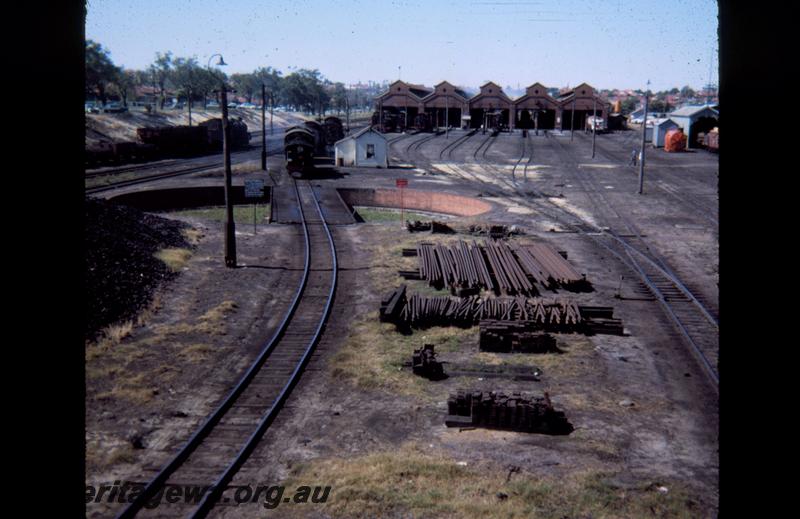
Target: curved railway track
(696,324)
(222,444)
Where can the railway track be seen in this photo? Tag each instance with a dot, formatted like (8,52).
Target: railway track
(181,171)
(697,325)
(455,144)
(222,444)
(685,197)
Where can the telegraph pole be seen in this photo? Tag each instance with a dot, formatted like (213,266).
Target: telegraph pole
(446,116)
(230,231)
(644,135)
(572,119)
(594,125)
(263,127)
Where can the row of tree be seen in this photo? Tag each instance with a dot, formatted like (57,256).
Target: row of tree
(306,90)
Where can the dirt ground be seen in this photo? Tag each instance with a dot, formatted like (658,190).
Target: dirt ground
(646,423)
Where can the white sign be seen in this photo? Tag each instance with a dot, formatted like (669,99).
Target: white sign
(254,188)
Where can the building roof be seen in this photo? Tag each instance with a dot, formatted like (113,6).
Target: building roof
(359,133)
(691,111)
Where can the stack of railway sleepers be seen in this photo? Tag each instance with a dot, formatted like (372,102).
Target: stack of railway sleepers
(514,412)
(515,337)
(424,363)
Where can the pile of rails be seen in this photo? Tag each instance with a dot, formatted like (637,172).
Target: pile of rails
(515,412)
(460,266)
(499,266)
(560,316)
(515,337)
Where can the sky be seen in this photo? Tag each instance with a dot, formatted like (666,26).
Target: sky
(608,44)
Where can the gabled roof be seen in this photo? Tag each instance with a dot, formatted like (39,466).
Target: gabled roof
(418,91)
(690,111)
(359,133)
(456,90)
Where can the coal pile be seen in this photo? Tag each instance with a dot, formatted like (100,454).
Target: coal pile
(515,412)
(121,271)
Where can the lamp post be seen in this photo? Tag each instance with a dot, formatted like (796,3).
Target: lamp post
(263,127)
(644,138)
(230,230)
(594,124)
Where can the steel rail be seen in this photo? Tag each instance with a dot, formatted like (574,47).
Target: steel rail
(211,497)
(161,478)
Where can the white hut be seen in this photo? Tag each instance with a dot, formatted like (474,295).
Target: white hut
(365,148)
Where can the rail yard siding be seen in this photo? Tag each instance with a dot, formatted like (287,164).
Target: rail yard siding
(185,198)
(414,199)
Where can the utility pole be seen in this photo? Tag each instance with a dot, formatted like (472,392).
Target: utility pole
(644,135)
(572,119)
(446,117)
(263,127)
(230,230)
(594,124)
(189,102)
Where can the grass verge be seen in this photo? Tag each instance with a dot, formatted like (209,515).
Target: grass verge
(425,483)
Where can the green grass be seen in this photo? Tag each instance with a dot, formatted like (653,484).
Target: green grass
(374,215)
(242,214)
(428,483)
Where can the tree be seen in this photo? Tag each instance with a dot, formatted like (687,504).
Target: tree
(687,92)
(187,76)
(339,97)
(100,70)
(273,82)
(629,105)
(124,84)
(161,68)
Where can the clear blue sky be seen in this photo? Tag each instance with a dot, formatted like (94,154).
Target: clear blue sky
(608,44)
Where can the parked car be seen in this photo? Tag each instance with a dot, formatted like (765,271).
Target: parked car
(115,108)
(91,108)
(212,104)
(247,105)
(233,104)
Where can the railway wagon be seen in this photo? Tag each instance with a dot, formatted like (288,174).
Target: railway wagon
(298,148)
(176,140)
(318,132)
(334,131)
(240,137)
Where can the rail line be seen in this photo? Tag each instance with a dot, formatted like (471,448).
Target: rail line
(455,144)
(222,444)
(687,199)
(695,323)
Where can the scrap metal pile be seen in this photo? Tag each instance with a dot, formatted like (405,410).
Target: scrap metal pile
(515,337)
(513,412)
(562,315)
(424,363)
(499,266)
(432,226)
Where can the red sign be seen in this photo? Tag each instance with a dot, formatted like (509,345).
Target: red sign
(401,182)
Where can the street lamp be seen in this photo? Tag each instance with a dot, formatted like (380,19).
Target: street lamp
(230,231)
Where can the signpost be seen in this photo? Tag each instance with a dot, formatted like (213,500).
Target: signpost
(254,189)
(401,184)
